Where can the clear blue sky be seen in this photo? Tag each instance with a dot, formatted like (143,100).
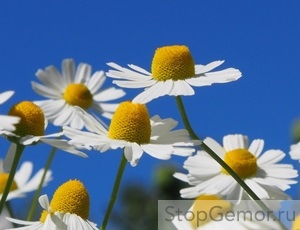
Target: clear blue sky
(261,38)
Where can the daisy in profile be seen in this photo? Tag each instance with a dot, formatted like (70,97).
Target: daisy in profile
(212,212)
(23,182)
(132,129)
(173,72)
(31,129)
(74,87)
(68,210)
(261,171)
(7,122)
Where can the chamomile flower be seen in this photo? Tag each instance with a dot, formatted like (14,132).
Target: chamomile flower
(7,122)
(212,212)
(30,130)
(261,171)
(68,210)
(173,72)
(132,129)
(74,88)
(24,182)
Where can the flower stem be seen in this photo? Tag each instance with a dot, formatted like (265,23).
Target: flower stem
(39,189)
(11,176)
(219,160)
(114,192)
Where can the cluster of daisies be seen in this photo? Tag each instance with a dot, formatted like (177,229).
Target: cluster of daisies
(77,101)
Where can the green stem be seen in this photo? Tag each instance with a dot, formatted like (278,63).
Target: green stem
(220,161)
(114,192)
(11,176)
(39,189)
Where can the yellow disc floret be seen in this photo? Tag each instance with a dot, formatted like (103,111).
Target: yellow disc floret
(71,197)
(3,181)
(242,162)
(131,123)
(207,208)
(78,94)
(32,119)
(172,62)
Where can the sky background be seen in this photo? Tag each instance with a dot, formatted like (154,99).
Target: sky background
(261,39)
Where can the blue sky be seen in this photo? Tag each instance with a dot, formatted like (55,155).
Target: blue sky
(259,38)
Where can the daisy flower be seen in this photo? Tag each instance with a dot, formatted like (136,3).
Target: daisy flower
(74,88)
(23,182)
(68,210)
(31,129)
(260,171)
(295,151)
(212,212)
(132,129)
(173,72)
(7,122)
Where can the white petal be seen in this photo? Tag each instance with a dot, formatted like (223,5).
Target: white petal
(83,73)
(155,91)
(68,70)
(270,157)
(44,202)
(45,91)
(215,146)
(162,152)
(5,96)
(109,94)
(199,69)
(256,147)
(96,81)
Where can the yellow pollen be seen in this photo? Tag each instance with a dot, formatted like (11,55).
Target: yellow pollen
(130,122)
(208,207)
(3,181)
(71,197)
(242,162)
(32,119)
(78,94)
(172,62)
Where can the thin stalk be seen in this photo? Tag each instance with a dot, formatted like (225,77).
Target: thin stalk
(18,154)
(39,189)
(220,161)
(114,193)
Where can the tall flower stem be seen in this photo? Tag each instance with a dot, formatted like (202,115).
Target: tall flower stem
(17,157)
(114,193)
(39,189)
(219,160)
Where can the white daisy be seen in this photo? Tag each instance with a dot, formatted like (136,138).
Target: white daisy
(173,73)
(74,88)
(23,182)
(68,210)
(132,129)
(7,122)
(212,212)
(261,172)
(295,151)
(30,130)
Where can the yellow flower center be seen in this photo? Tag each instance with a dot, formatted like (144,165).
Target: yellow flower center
(71,197)
(78,94)
(296,223)
(131,123)
(172,62)
(207,208)
(32,119)
(3,181)
(242,162)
